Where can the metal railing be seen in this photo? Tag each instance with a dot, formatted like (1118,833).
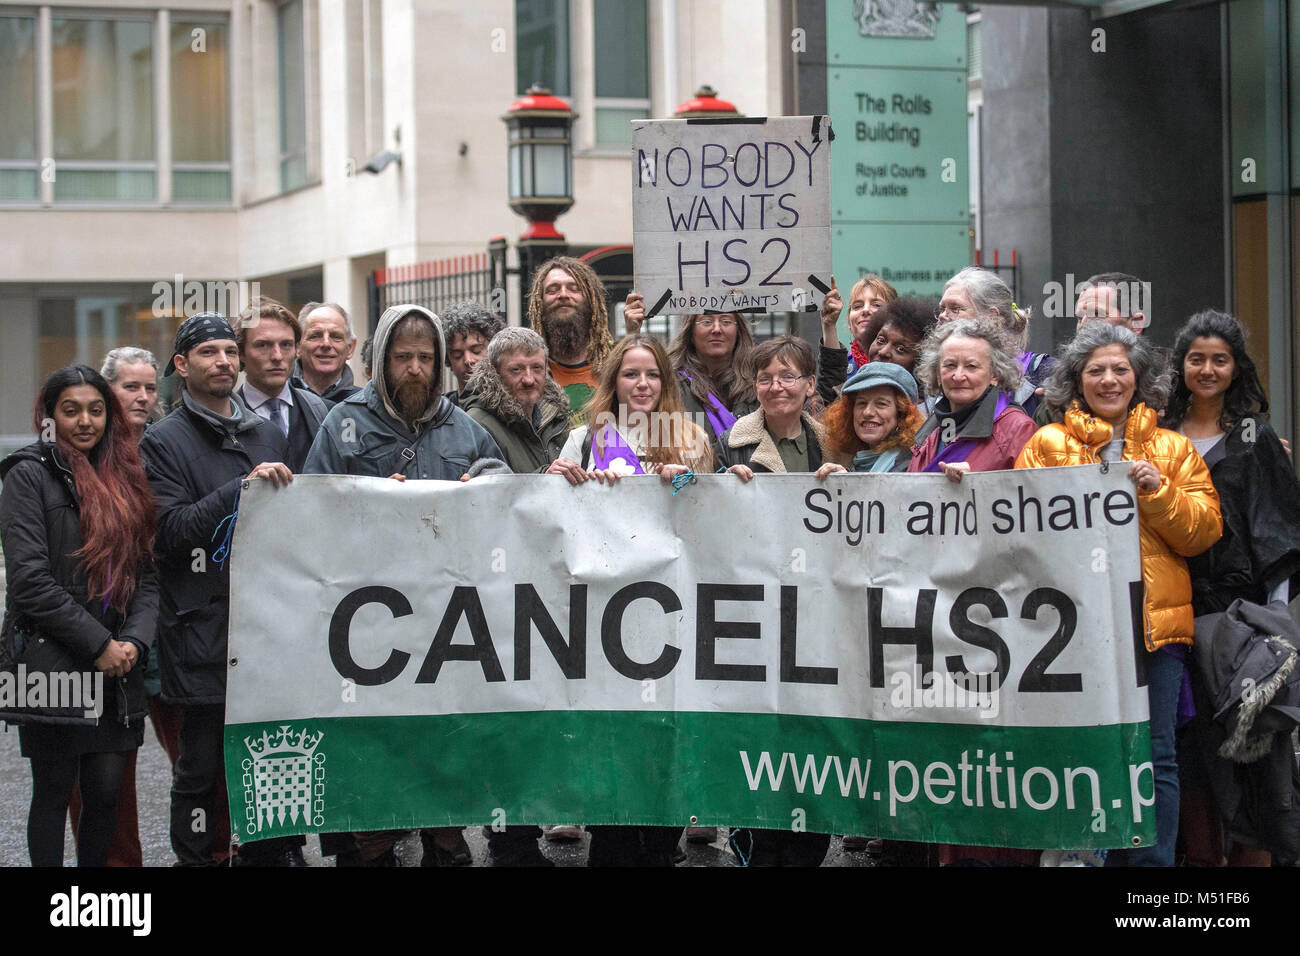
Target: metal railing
(435,285)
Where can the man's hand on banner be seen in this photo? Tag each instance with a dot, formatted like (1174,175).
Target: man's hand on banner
(571,470)
(277,473)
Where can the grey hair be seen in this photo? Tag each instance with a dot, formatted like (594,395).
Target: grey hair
(1002,352)
(468,316)
(1065,384)
(516,338)
(126,355)
(311,307)
(987,292)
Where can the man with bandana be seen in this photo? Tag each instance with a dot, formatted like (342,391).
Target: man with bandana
(196,459)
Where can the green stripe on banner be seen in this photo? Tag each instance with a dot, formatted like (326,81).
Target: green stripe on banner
(1030,787)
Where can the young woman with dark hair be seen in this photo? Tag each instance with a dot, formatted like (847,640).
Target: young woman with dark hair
(77,525)
(1218,403)
(711,355)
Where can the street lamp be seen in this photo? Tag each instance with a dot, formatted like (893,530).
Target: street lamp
(540,149)
(705,104)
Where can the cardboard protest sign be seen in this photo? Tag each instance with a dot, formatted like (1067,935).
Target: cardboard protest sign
(732,214)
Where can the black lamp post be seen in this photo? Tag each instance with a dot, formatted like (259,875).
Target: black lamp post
(540,145)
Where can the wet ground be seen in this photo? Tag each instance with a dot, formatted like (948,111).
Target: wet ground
(153,780)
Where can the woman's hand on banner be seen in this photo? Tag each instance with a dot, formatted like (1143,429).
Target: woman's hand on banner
(953,470)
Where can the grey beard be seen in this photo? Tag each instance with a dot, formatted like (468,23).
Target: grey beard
(568,333)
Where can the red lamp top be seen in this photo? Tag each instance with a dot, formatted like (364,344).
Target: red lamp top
(539,99)
(706,103)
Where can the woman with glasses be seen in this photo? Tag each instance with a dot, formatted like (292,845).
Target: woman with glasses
(903,327)
(971,366)
(782,435)
(976,293)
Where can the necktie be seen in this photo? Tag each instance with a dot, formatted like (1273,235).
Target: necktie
(274,406)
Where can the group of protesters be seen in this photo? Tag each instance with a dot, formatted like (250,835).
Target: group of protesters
(117,522)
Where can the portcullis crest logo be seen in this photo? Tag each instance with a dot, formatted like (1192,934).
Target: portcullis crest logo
(283,779)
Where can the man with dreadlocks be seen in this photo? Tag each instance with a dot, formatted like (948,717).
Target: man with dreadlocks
(566,306)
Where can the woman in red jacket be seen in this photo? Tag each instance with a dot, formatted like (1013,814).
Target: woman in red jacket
(975,425)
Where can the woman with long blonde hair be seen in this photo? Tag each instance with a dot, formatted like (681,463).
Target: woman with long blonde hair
(635,421)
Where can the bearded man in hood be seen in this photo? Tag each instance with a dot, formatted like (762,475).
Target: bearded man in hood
(400,425)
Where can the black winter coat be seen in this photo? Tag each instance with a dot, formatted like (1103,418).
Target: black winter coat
(195,469)
(46,600)
(1259,496)
(1248,701)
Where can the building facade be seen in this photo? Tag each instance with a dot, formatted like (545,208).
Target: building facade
(159,157)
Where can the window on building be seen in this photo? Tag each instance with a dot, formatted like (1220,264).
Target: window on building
(542,45)
(19,165)
(200,110)
(622,69)
(82,328)
(974,47)
(103,109)
(293,102)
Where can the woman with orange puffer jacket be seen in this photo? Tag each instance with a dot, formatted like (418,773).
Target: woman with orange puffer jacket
(1110,382)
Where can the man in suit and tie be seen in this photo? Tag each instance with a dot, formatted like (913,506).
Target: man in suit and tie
(268,335)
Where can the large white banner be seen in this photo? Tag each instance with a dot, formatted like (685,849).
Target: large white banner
(720,642)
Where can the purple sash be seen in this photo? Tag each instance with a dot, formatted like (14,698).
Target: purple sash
(1026,357)
(960,450)
(612,446)
(719,418)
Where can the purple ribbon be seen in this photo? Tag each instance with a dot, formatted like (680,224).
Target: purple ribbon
(960,450)
(719,418)
(1026,357)
(611,446)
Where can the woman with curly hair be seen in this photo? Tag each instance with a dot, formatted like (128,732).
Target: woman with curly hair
(970,367)
(1110,382)
(77,525)
(874,421)
(975,293)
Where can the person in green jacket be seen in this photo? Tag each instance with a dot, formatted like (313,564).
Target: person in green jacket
(514,397)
